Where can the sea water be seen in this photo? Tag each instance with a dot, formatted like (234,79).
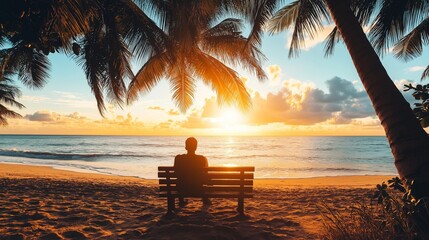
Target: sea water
(273,157)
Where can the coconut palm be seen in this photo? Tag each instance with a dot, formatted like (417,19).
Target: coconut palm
(105,33)
(197,45)
(33,29)
(408,141)
(98,32)
(8,94)
(392,24)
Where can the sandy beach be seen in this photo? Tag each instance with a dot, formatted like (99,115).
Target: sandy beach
(46,203)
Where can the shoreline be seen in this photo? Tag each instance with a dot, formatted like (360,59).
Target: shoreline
(21,170)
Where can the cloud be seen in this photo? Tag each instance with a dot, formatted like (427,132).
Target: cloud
(416,68)
(78,119)
(34,98)
(173,112)
(158,108)
(166,125)
(296,103)
(42,116)
(210,108)
(72,100)
(196,121)
(48,122)
(274,72)
(68,95)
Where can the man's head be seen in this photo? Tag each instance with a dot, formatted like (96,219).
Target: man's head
(191,144)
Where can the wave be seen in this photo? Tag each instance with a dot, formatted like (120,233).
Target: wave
(67,156)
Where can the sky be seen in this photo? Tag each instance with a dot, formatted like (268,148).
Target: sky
(306,95)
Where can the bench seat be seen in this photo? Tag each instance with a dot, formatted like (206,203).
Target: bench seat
(220,182)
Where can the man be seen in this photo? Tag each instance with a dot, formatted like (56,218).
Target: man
(190,175)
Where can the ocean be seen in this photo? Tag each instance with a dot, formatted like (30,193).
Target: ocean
(273,157)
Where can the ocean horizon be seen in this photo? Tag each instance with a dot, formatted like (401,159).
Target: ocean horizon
(139,156)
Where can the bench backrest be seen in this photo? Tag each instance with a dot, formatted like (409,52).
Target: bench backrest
(219,182)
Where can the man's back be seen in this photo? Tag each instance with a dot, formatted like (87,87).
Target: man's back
(189,169)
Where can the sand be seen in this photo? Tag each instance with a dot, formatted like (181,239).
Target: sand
(46,203)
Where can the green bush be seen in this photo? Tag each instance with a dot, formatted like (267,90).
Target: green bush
(421,109)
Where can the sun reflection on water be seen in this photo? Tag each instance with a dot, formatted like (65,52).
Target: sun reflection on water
(230,165)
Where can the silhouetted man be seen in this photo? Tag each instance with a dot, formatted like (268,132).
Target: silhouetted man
(190,175)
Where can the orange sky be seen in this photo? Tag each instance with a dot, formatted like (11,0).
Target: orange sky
(297,108)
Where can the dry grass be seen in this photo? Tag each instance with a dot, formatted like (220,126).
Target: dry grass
(390,213)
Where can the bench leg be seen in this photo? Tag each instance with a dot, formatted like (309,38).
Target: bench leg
(171,204)
(240,208)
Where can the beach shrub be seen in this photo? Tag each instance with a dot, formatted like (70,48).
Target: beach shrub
(390,212)
(421,109)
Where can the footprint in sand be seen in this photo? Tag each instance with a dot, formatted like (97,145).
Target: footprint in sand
(132,234)
(102,223)
(74,235)
(52,236)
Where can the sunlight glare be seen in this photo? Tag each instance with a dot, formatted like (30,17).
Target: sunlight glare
(230,116)
(230,165)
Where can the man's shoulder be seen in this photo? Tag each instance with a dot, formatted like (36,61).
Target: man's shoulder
(201,157)
(180,156)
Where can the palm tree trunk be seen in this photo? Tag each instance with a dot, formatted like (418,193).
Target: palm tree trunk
(408,141)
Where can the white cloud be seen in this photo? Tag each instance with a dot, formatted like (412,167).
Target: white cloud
(34,98)
(416,68)
(274,73)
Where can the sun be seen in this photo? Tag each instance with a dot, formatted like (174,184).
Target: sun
(230,121)
(230,116)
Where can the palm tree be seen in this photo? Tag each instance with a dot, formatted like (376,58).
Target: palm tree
(392,23)
(120,30)
(196,45)
(33,29)
(104,34)
(98,32)
(408,141)
(8,94)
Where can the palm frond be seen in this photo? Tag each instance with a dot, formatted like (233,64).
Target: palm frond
(3,39)
(9,93)
(223,80)
(393,20)
(31,66)
(10,60)
(35,69)
(229,26)
(6,113)
(118,58)
(148,76)
(161,9)
(182,85)
(93,59)
(425,73)
(306,17)
(333,38)
(141,33)
(259,12)
(73,15)
(284,18)
(364,10)
(411,45)
(225,47)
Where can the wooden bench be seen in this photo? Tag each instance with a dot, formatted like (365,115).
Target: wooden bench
(220,182)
